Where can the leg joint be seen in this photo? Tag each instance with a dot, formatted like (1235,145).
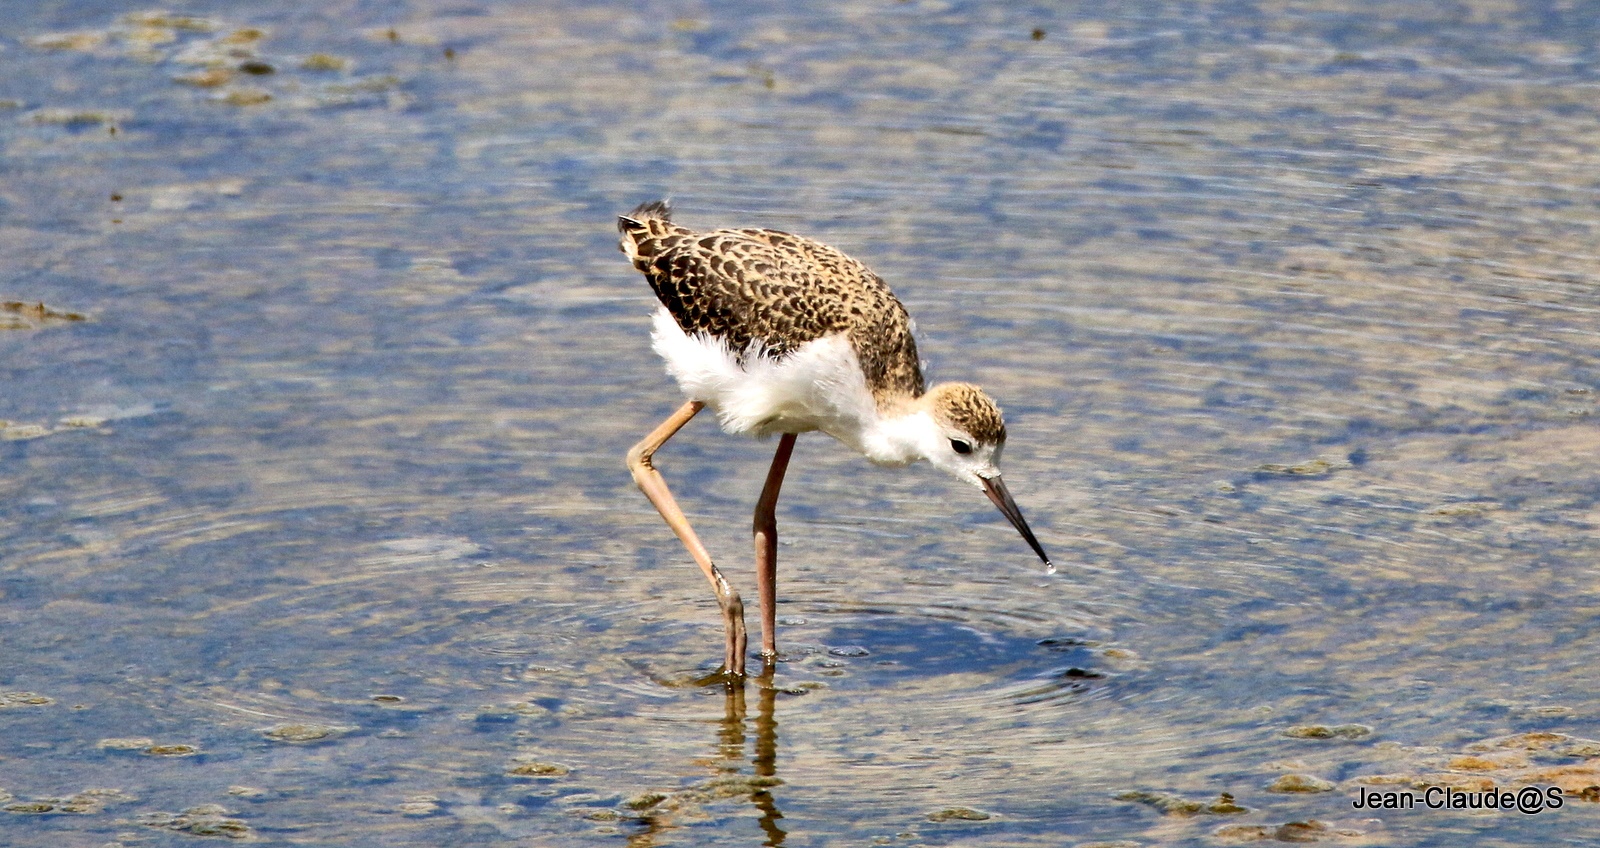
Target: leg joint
(639,459)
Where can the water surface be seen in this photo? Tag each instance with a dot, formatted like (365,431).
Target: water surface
(314,530)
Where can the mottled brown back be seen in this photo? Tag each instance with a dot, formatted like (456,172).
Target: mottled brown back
(779,289)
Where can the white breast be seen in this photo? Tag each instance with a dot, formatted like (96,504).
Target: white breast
(819,386)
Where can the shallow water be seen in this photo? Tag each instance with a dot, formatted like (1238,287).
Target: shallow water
(315,530)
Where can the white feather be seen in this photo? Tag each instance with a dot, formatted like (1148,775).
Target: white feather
(818,386)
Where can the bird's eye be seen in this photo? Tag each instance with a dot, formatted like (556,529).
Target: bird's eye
(961,446)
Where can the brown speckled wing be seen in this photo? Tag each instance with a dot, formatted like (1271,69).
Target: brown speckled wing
(779,289)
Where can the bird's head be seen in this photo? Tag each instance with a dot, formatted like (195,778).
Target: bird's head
(964,435)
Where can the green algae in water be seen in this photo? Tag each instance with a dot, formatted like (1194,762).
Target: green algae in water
(1225,806)
(1166,802)
(1243,833)
(27,315)
(1322,731)
(91,800)
(79,117)
(1310,830)
(301,733)
(24,699)
(324,62)
(1309,468)
(174,750)
(170,21)
(733,786)
(30,807)
(644,801)
(1300,783)
(1559,743)
(204,820)
(1177,805)
(538,769)
(950,814)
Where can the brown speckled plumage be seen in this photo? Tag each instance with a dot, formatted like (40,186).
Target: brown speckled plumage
(782,290)
(968,409)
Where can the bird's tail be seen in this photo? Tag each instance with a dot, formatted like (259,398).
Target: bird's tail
(640,229)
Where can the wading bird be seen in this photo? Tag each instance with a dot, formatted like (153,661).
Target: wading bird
(783,335)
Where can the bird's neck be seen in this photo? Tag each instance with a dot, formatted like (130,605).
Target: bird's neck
(898,435)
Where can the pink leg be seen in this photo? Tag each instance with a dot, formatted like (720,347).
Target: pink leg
(766,532)
(655,488)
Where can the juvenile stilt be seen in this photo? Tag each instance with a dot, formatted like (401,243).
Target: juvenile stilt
(782,335)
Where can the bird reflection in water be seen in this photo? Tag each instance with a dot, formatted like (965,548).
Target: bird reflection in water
(728,764)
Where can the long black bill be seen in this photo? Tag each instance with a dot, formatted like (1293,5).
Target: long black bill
(995,488)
